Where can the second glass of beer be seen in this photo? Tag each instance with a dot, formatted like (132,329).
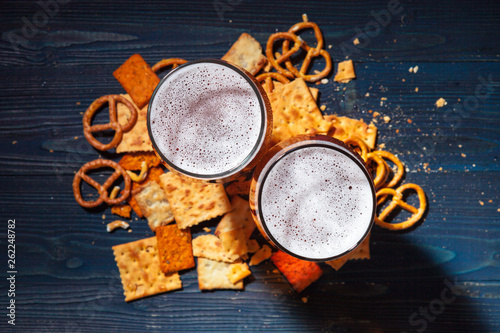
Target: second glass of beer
(209,120)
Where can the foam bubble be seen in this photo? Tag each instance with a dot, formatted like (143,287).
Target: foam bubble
(206,119)
(318,202)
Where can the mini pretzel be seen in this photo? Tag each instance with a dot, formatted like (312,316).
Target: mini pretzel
(311,53)
(286,55)
(397,200)
(354,141)
(102,189)
(400,167)
(268,78)
(113,124)
(174,62)
(382,171)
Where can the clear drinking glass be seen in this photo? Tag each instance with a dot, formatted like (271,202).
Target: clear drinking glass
(312,197)
(209,120)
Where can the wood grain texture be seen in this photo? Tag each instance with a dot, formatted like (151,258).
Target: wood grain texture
(442,276)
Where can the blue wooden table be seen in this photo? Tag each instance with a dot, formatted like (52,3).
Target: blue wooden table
(56,57)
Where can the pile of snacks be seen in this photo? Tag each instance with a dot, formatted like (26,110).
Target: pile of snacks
(172,204)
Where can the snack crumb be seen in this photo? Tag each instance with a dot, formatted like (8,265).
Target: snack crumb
(463,155)
(367,94)
(323,107)
(14,142)
(207,229)
(481,203)
(305,18)
(355,41)
(103,216)
(441,102)
(304,300)
(409,121)
(324,81)
(387,119)
(416,89)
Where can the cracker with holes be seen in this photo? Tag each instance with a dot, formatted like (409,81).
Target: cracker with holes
(213,274)
(153,203)
(236,227)
(140,273)
(138,79)
(246,53)
(194,202)
(210,247)
(299,273)
(343,127)
(175,249)
(137,139)
(345,72)
(295,111)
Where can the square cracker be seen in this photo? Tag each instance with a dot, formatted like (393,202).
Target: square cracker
(175,249)
(345,72)
(236,227)
(139,266)
(137,139)
(295,111)
(343,127)
(138,79)
(210,247)
(299,273)
(153,203)
(194,202)
(246,52)
(213,274)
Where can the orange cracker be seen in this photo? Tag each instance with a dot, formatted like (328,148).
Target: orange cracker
(213,274)
(345,72)
(299,273)
(210,247)
(175,249)
(138,79)
(236,227)
(343,127)
(139,266)
(122,210)
(194,202)
(153,202)
(295,111)
(238,271)
(133,161)
(261,255)
(246,53)
(337,263)
(136,139)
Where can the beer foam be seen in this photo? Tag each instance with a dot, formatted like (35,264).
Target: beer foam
(206,119)
(317,202)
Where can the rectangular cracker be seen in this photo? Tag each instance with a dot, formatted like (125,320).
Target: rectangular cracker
(295,111)
(213,274)
(153,203)
(194,202)
(236,227)
(140,271)
(210,247)
(299,273)
(175,249)
(137,139)
(138,79)
(343,127)
(246,53)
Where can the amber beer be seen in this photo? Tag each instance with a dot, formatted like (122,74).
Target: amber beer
(209,120)
(312,197)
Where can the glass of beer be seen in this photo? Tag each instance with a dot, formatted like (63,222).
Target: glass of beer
(209,120)
(312,197)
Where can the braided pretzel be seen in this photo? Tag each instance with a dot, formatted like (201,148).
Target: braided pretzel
(102,189)
(174,62)
(311,53)
(113,124)
(397,200)
(268,79)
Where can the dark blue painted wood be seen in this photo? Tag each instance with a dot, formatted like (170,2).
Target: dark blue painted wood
(441,276)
